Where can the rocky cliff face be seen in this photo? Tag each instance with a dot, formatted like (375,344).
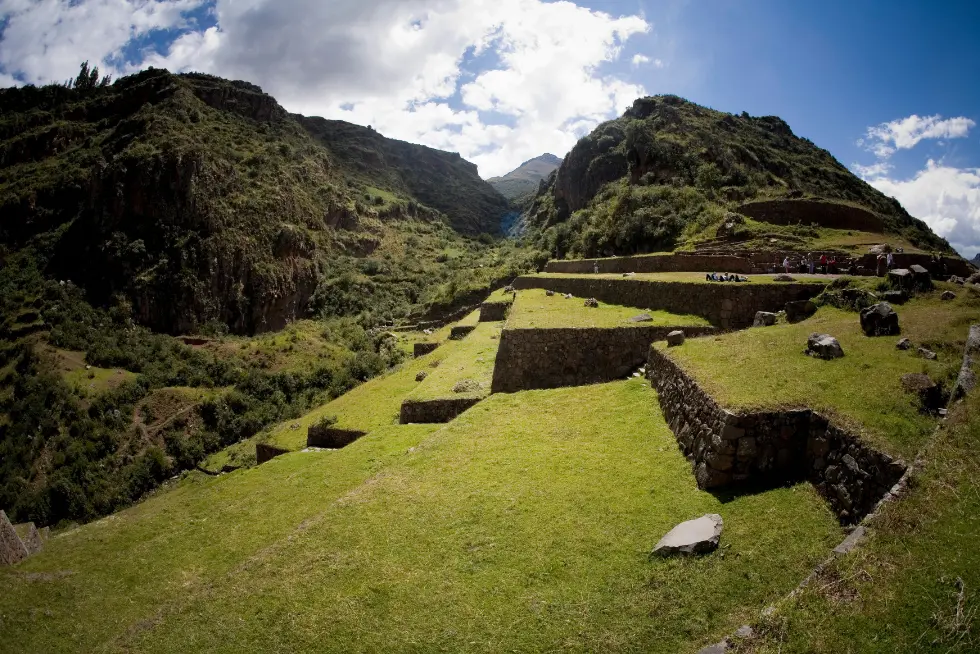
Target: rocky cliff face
(195,199)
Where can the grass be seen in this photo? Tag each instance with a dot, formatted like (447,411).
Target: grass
(297,347)
(765,367)
(85,379)
(471,359)
(691,278)
(899,592)
(534,309)
(500,295)
(524,525)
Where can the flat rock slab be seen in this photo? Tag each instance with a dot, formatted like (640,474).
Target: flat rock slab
(643,317)
(692,537)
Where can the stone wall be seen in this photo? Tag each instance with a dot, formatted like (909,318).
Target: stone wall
(555,358)
(770,447)
(654,263)
(331,438)
(421,349)
(941,270)
(729,305)
(265,452)
(12,549)
(807,212)
(434,411)
(459,332)
(494,311)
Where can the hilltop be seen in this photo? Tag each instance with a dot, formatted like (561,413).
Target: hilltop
(670,174)
(526,178)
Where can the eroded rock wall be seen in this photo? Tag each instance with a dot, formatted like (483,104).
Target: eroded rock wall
(770,448)
(654,264)
(555,358)
(729,305)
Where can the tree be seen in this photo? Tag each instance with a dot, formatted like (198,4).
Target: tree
(88,79)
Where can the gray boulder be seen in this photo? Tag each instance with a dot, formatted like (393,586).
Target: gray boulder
(643,317)
(592,303)
(957,280)
(549,293)
(921,279)
(947,296)
(880,320)
(904,344)
(764,319)
(799,310)
(12,549)
(675,338)
(692,537)
(928,354)
(824,346)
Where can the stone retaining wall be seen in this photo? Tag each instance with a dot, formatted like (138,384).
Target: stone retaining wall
(265,452)
(434,411)
(942,270)
(807,212)
(421,349)
(770,447)
(331,438)
(459,332)
(654,263)
(494,311)
(729,305)
(555,358)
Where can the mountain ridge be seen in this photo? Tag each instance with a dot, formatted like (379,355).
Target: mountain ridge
(526,178)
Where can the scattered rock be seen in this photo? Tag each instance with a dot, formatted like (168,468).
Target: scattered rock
(567,296)
(799,310)
(466,386)
(692,537)
(592,303)
(675,338)
(853,540)
(509,289)
(927,354)
(12,549)
(783,277)
(904,344)
(421,376)
(895,297)
(643,317)
(549,293)
(427,332)
(824,346)
(764,319)
(974,278)
(957,280)
(880,320)
(947,296)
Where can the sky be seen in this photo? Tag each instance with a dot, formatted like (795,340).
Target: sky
(888,87)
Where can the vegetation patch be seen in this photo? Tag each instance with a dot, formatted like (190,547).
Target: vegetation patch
(465,371)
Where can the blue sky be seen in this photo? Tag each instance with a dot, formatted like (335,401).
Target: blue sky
(501,81)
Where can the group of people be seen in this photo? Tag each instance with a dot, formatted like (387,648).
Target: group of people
(724,277)
(810,264)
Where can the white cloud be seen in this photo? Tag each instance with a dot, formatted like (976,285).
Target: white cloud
(658,63)
(946,198)
(905,133)
(639,59)
(46,40)
(401,66)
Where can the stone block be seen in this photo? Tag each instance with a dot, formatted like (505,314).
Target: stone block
(12,549)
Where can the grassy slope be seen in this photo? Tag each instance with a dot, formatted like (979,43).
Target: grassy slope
(522,526)
(898,592)
(470,359)
(765,367)
(534,308)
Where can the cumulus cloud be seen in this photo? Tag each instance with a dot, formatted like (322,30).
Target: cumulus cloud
(499,81)
(905,133)
(639,59)
(945,197)
(46,40)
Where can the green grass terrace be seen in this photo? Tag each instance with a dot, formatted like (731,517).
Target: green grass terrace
(691,277)
(534,309)
(765,368)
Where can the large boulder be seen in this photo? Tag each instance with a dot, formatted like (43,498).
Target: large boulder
(692,537)
(592,303)
(895,297)
(675,338)
(824,346)
(947,296)
(880,320)
(764,319)
(921,279)
(900,278)
(799,310)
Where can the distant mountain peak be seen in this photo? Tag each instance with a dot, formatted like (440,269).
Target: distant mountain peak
(525,178)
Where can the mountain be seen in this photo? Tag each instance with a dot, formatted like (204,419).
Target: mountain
(526,178)
(196,199)
(670,173)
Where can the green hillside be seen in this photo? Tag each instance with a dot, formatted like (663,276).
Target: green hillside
(670,172)
(526,178)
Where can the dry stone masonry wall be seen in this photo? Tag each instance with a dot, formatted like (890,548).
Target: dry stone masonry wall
(728,305)
(771,447)
(807,212)
(421,349)
(459,332)
(266,452)
(494,311)
(654,264)
(331,438)
(554,358)
(434,411)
